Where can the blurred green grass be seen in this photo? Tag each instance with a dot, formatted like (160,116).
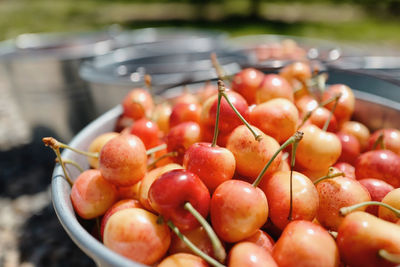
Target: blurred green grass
(350,23)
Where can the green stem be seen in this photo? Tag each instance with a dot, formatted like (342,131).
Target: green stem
(337,97)
(166,155)
(219,251)
(292,163)
(295,138)
(53,144)
(218,69)
(156,149)
(72,162)
(193,247)
(379,141)
(330,175)
(50,141)
(346,210)
(221,88)
(256,136)
(395,258)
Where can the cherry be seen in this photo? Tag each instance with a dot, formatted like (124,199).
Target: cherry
(378,189)
(391,139)
(129,192)
(392,199)
(138,103)
(97,144)
(348,169)
(304,243)
(181,137)
(320,116)
(147,131)
(297,74)
(358,130)
(345,106)
(92,195)
(161,115)
(183,259)
(183,112)
(350,148)
(128,230)
(273,86)
(246,82)
(262,239)
(123,160)
(249,254)
(207,91)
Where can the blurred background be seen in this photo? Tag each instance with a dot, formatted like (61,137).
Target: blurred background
(56,56)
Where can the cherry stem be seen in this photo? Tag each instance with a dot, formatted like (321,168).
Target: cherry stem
(156,149)
(379,141)
(292,163)
(72,162)
(295,138)
(193,247)
(221,90)
(337,97)
(52,142)
(49,142)
(330,175)
(346,210)
(310,112)
(166,155)
(147,82)
(219,251)
(218,69)
(395,258)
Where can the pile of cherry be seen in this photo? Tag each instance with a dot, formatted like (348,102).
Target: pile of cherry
(271,172)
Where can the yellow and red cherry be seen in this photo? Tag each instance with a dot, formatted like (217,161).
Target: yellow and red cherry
(319,117)
(237,210)
(391,140)
(304,243)
(379,164)
(97,144)
(183,186)
(336,193)
(378,189)
(183,112)
(305,199)
(129,192)
(346,103)
(273,86)
(348,169)
(277,118)
(358,130)
(213,164)
(249,254)
(182,260)
(92,195)
(120,205)
(318,150)
(147,131)
(350,148)
(161,115)
(392,199)
(138,103)
(262,239)
(206,92)
(246,82)
(137,234)
(181,137)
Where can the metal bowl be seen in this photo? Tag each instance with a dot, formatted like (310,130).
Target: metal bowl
(374,111)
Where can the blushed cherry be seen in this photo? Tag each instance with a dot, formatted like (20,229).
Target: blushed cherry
(358,130)
(350,148)
(138,103)
(391,139)
(183,112)
(273,86)
(129,192)
(181,137)
(262,239)
(161,116)
(251,255)
(246,82)
(319,117)
(183,260)
(392,199)
(346,103)
(207,91)
(147,131)
(378,189)
(97,144)
(348,169)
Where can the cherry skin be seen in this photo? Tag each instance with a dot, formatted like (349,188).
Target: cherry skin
(277,118)
(236,218)
(213,165)
(378,189)
(297,74)
(136,234)
(161,115)
(251,255)
(137,104)
(336,193)
(120,205)
(392,199)
(97,144)
(123,160)
(306,103)
(183,186)
(305,198)
(262,239)
(318,150)
(348,169)
(129,192)
(251,155)
(92,195)
(358,130)
(181,137)
(182,260)
(350,148)
(320,116)
(304,243)
(379,164)
(273,86)
(246,83)
(360,237)
(147,131)
(346,103)
(183,112)
(391,139)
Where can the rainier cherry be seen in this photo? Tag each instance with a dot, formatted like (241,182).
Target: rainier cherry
(345,106)
(137,104)
(391,140)
(97,144)
(147,131)
(246,83)
(358,130)
(378,189)
(249,254)
(273,86)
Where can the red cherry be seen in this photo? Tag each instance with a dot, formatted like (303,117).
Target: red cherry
(181,137)
(274,86)
(137,104)
(183,112)
(348,169)
(391,139)
(378,189)
(183,186)
(147,131)
(246,83)
(350,148)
